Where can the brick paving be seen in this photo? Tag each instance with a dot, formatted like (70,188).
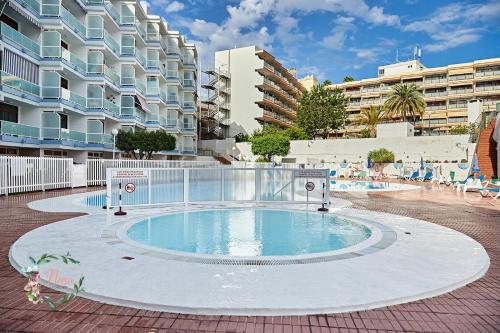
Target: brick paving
(473,308)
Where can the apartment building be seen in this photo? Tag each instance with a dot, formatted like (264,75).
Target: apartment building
(74,70)
(215,109)
(447,91)
(254,89)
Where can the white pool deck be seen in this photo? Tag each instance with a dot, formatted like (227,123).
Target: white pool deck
(422,260)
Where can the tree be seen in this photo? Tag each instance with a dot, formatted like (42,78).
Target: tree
(381,155)
(322,110)
(348,78)
(269,145)
(370,118)
(143,144)
(294,133)
(404,101)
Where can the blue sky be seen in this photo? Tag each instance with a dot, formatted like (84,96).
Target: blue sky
(334,38)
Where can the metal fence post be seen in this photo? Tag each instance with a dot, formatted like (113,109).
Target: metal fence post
(149,185)
(186,186)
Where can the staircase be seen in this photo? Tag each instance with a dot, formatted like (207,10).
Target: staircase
(486,150)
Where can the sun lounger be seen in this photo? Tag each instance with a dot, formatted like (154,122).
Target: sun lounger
(413,176)
(492,191)
(426,177)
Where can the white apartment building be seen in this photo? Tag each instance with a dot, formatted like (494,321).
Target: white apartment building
(254,89)
(447,90)
(74,70)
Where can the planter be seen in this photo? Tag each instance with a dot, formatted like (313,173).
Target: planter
(463,166)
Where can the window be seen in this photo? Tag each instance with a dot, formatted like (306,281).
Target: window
(95,155)
(128,75)
(51,84)
(95,62)
(9,21)
(64,83)
(64,45)
(51,44)
(55,153)
(128,14)
(64,120)
(8,113)
(9,151)
(95,26)
(128,45)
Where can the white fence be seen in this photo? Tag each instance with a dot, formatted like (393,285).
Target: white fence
(195,185)
(96,169)
(27,174)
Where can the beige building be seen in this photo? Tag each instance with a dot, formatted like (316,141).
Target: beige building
(447,91)
(255,89)
(309,82)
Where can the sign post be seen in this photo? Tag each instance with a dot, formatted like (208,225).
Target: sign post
(123,175)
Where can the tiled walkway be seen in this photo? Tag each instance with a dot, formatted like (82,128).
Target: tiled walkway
(474,308)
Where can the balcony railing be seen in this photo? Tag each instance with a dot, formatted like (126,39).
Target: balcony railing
(492,72)
(112,44)
(33,5)
(188,83)
(77,99)
(141,31)
(435,107)
(460,91)
(72,135)
(140,58)
(153,63)
(99,138)
(141,87)
(488,88)
(172,74)
(25,43)
(460,77)
(111,107)
(76,62)
(436,94)
(188,104)
(433,81)
(73,23)
(20,130)
(14,82)
(112,12)
(111,75)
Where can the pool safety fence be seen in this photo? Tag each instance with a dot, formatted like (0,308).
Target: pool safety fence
(96,168)
(29,174)
(160,186)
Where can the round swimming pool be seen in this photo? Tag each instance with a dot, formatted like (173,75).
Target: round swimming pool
(248,232)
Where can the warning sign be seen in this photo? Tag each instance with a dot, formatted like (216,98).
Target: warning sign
(129,173)
(311,173)
(310,186)
(130,187)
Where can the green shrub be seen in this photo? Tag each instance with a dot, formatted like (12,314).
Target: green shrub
(366,133)
(381,155)
(270,145)
(463,160)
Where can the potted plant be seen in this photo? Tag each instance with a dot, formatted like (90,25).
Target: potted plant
(464,164)
(381,157)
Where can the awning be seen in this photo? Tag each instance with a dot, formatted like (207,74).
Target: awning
(21,10)
(142,103)
(19,66)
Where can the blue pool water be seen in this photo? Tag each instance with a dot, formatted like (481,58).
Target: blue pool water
(339,185)
(248,232)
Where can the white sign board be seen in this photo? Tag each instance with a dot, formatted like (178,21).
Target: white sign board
(129,173)
(310,173)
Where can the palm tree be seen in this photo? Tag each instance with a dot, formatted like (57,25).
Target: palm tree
(348,78)
(405,100)
(370,118)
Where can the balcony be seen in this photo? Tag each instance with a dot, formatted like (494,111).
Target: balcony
(460,77)
(99,138)
(461,91)
(111,43)
(111,107)
(73,23)
(73,61)
(140,87)
(188,83)
(19,130)
(436,94)
(141,31)
(487,72)
(112,76)
(51,133)
(21,85)
(488,87)
(112,12)
(140,59)
(133,112)
(22,42)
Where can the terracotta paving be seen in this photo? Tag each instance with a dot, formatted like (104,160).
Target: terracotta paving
(473,308)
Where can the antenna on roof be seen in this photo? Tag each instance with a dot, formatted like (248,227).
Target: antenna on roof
(417,53)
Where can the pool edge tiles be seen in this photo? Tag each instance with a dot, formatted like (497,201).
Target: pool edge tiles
(381,238)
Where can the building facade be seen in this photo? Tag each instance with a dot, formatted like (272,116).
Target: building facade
(309,82)
(74,70)
(447,90)
(254,89)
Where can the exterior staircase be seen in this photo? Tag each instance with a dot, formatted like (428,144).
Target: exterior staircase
(486,150)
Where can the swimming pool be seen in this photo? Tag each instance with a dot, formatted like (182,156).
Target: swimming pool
(368,186)
(248,232)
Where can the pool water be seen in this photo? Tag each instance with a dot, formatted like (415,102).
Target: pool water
(359,185)
(248,232)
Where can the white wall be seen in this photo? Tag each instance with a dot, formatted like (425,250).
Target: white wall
(408,149)
(391,130)
(241,64)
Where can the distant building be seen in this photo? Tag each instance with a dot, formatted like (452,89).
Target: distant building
(309,82)
(447,91)
(250,88)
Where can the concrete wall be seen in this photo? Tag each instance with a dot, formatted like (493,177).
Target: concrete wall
(241,64)
(391,130)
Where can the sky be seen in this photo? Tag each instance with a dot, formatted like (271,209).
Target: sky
(335,38)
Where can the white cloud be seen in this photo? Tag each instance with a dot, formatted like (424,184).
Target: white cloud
(456,24)
(175,6)
(342,26)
